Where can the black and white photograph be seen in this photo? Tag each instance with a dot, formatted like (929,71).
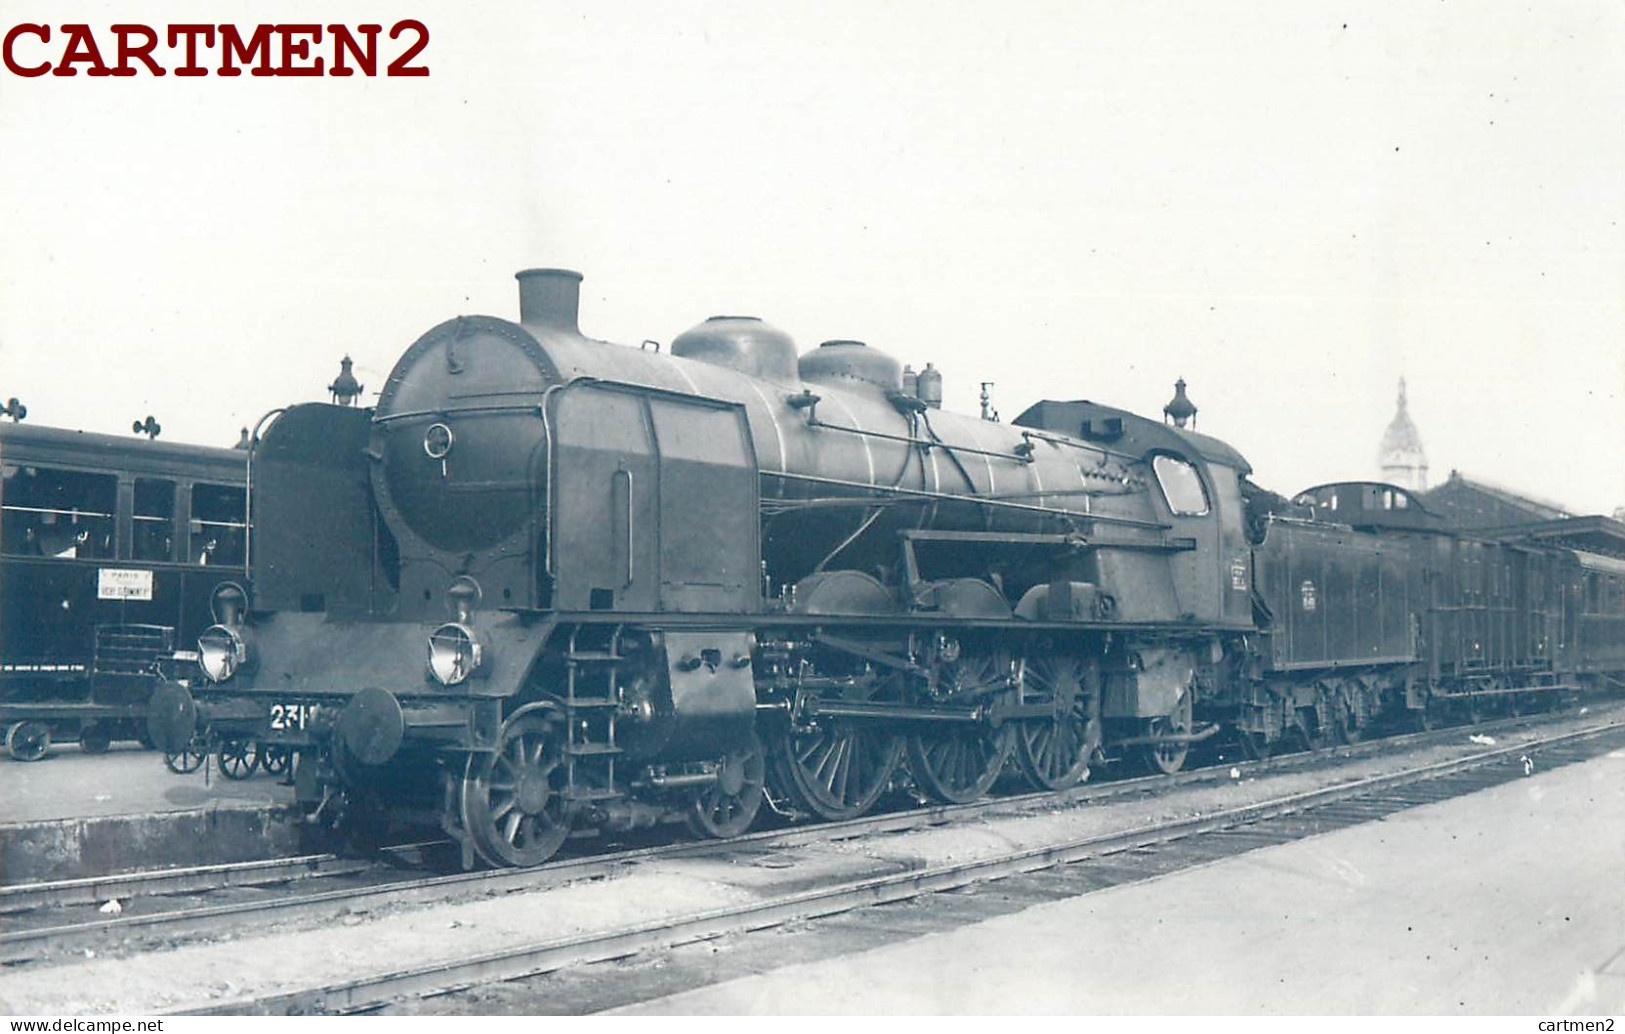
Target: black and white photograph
(1090,509)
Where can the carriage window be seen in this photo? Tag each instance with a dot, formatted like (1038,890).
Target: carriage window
(1181,486)
(58,513)
(217,525)
(154,519)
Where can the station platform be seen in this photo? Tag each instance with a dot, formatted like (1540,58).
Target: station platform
(71,815)
(1503,902)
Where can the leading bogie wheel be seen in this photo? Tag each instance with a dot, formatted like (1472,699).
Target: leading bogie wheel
(1054,751)
(239,758)
(275,758)
(1169,758)
(727,807)
(28,741)
(512,800)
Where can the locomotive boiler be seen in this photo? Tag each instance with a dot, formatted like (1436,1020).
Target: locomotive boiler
(551,581)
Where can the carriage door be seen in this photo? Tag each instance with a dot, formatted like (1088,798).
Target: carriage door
(601,548)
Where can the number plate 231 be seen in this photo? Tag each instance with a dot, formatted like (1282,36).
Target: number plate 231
(293,717)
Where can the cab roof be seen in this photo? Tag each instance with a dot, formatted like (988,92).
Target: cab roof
(1127,432)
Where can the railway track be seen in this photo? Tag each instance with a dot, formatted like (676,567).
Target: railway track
(1261,823)
(1247,825)
(158,906)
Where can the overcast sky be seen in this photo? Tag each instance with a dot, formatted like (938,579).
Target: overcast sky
(1291,205)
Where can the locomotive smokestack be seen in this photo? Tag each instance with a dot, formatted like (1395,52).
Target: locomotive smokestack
(550,298)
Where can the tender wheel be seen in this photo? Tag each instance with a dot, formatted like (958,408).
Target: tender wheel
(1169,758)
(956,764)
(513,799)
(1509,701)
(239,758)
(187,759)
(1054,752)
(1254,747)
(95,739)
(1348,729)
(727,808)
(1427,716)
(275,759)
(838,769)
(28,741)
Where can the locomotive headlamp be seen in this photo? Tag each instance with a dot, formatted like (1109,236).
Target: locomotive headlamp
(455,652)
(455,649)
(222,651)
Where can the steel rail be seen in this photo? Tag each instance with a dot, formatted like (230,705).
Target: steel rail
(374,991)
(21,944)
(92,890)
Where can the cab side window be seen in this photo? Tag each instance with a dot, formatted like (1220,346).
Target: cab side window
(1181,485)
(218,526)
(66,514)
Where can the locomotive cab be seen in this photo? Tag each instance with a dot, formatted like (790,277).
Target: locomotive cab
(1194,484)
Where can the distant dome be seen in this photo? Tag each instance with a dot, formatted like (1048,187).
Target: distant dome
(1401,435)
(1402,459)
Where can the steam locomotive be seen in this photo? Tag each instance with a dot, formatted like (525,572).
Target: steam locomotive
(550,584)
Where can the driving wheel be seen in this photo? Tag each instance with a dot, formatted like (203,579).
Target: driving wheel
(837,769)
(956,763)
